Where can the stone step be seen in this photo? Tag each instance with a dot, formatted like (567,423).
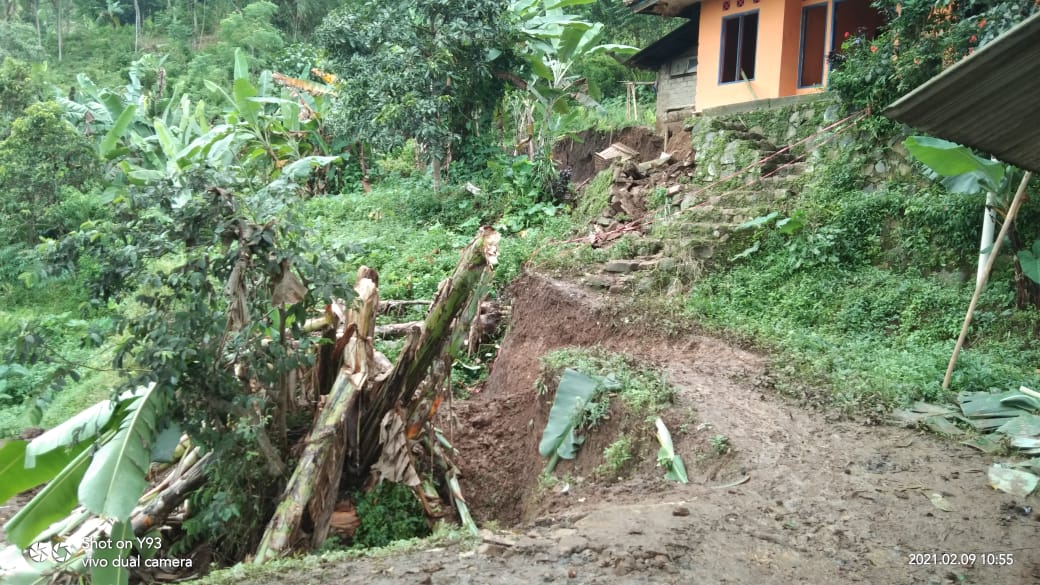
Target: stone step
(634,264)
(796,168)
(778,182)
(768,198)
(709,230)
(730,125)
(621,266)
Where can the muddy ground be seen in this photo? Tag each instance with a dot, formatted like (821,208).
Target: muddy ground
(801,497)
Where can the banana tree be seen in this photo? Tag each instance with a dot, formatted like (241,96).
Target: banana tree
(96,109)
(554,43)
(96,461)
(273,128)
(964,172)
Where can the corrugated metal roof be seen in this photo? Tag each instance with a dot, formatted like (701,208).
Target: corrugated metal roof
(989,101)
(667,47)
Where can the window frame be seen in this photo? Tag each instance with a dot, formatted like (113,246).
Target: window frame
(675,68)
(740,17)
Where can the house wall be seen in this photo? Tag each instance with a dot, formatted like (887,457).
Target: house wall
(675,92)
(778,47)
(768,55)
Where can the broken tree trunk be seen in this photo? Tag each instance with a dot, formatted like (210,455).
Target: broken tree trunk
(420,351)
(395,330)
(399,307)
(155,512)
(314,485)
(315,481)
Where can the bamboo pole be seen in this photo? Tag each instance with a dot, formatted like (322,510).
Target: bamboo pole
(980,284)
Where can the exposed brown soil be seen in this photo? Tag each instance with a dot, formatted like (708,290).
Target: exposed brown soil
(825,501)
(579,154)
(799,499)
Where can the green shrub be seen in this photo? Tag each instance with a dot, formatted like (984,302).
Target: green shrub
(616,456)
(388,513)
(878,338)
(594,199)
(874,73)
(18,40)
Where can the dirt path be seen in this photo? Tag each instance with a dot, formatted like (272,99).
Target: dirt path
(823,502)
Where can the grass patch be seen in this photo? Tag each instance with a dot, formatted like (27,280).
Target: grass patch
(314,566)
(877,338)
(51,313)
(413,236)
(388,513)
(643,391)
(616,456)
(595,198)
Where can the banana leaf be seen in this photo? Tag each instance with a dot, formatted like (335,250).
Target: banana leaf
(116,477)
(987,404)
(1027,425)
(574,392)
(86,424)
(16,570)
(18,477)
(53,503)
(116,573)
(667,457)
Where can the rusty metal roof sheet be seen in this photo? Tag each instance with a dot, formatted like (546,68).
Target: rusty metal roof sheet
(989,101)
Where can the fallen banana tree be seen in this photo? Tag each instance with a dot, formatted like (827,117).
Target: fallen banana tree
(371,419)
(312,490)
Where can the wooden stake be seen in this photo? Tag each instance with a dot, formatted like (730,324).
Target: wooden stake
(981,283)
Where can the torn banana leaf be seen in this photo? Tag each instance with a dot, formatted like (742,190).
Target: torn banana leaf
(575,391)
(988,404)
(667,457)
(1013,481)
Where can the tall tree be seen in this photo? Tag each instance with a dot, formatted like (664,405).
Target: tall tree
(137,25)
(415,69)
(59,22)
(43,154)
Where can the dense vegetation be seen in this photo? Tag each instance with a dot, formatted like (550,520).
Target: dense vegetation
(152,154)
(868,296)
(183,185)
(920,40)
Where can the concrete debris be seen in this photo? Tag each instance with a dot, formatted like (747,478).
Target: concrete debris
(639,188)
(616,151)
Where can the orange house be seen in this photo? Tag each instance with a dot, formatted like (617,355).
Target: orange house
(749,50)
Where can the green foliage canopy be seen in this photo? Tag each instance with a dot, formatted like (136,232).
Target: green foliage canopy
(251,29)
(417,69)
(39,161)
(19,87)
(19,41)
